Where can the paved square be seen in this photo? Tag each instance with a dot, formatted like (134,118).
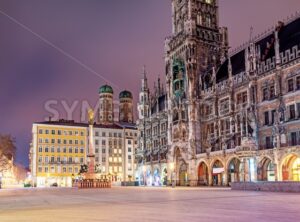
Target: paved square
(147,204)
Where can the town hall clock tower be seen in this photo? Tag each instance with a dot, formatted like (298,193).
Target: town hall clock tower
(197,46)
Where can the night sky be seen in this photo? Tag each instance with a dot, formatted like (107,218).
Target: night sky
(59,49)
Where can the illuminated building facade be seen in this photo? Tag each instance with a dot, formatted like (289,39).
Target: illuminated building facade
(59,148)
(231,116)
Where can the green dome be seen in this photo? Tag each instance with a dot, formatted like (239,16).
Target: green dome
(106,89)
(125,94)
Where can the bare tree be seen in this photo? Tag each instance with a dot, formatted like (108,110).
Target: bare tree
(7,151)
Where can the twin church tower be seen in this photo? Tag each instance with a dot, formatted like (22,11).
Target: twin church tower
(106,108)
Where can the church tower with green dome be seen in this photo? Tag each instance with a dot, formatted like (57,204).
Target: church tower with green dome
(106,108)
(126,107)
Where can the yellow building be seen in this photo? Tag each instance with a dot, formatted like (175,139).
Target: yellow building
(58,149)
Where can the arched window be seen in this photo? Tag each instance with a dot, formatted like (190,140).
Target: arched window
(199,19)
(208,20)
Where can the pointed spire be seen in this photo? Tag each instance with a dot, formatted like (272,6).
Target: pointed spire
(144,80)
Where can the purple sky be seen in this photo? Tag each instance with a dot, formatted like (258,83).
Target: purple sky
(112,37)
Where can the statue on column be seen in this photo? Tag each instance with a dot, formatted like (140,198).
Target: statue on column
(91,116)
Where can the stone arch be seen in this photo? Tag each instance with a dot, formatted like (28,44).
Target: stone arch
(181,168)
(218,172)
(203,173)
(266,169)
(290,167)
(233,169)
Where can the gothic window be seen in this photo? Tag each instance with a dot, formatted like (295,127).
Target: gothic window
(266,115)
(224,106)
(242,99)
(293,139)
(265,94)
(208,20)
(273,116)
(199,19)
(272,92)
(290,85)
(269,144)
(292,112)
(298,82)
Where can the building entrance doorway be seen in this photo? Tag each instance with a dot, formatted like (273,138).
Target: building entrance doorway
(218,173)
(291,168)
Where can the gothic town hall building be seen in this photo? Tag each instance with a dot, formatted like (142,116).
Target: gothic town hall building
(229,116)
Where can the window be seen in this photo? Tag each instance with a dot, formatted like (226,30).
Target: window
(298,82)
(40,169)
(59,141)
(76,142)
(59,132)
(266,114)
(103,134)
(70,150)
(46,149)
(290,85)
(40,131)
(52,140)
(40,149)
(58,159)
(70,170)
(81,134)
(97,150)
(81,159)
(224,106)
(81,150)
(70,160)
(273,116)
(46,131)
(46,169)
(97,142)
(103,150)
(40,159)
(70,141)
(76,149)
(292,111)
(129,157)
(52,159)
(129,149)
(268,143)
(58,149)
(46,159)
(64,149)
(293,139)
(103,159)
(53,132)
(70,133)
(129,142)
(272,92)
(103,142)
(40,140)
(52,149)
(64,169)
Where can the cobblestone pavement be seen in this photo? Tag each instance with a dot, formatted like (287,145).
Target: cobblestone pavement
(146,204)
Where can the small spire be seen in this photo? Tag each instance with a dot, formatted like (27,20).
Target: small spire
(144,72)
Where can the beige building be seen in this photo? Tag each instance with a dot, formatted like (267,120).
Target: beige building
(60,148)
